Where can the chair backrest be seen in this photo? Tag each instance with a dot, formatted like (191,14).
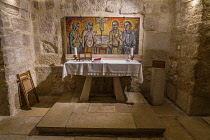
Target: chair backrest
(26,81)
(27,86)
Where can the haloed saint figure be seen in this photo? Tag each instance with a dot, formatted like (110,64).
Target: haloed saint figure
(88,37)
(129,38)
(74,38)
(115,39)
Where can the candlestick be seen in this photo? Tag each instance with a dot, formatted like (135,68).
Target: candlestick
(75,50)
(131,51)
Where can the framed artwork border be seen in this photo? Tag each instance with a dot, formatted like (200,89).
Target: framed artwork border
(105,56)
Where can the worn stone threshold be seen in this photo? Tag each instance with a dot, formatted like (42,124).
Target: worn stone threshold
(101,119)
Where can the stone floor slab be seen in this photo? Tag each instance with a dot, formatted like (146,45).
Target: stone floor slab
(137,97)
(128,138)
(121,108)
(14,137)
(8,124)
(56,118)
(206,119)
(196,127)
(2,117)
(95,138)
(28,125)
(174,130)
(35,111)
(166,110)
(65,98)
(144,117)
(101,120)
(51,138)
(46,101)
(81,107)
(101,109)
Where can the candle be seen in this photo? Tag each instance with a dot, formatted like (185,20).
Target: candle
(131,51)
(75,50)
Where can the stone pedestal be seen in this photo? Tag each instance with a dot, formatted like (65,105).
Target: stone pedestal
(157,86)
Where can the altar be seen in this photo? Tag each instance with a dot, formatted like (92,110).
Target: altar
(105,68)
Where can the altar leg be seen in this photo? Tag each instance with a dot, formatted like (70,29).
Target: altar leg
(86,89)
(119,94)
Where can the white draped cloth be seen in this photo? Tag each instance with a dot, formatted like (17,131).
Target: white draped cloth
(107,68)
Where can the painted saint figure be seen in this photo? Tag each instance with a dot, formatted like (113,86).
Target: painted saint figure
(129,38)
(88,36)
(74,38)
(115,39)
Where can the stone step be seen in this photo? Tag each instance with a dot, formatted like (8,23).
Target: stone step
(101,119)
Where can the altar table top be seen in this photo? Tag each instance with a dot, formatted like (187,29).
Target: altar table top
(107,68)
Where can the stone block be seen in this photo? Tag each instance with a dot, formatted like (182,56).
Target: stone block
(164,23)
(46,23)
(49,4)
(79,6)
(148,8)
(48,59)
(55,119)
(182,99)
(21,24)
(25,14)
(26,40)
(186,68)
(24,4)
(131,7)
(156,41)
(4,20)
(100,5)
(37,45)
(199,105)
(111,7)
(171,91)
(150,23)
(157,87)
(15,3)
(12,38)
(150,55)
(35,4)
(9,9)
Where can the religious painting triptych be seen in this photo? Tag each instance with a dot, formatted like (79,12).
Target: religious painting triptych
(107,35)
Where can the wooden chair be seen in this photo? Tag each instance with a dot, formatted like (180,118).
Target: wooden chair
(27,86)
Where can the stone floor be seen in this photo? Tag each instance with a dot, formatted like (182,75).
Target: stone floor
(179,125)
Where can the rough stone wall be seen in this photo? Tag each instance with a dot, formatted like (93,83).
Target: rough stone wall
(188,75)
(157,34)
(16,47)
(4,102)
(47,14)
(199,100)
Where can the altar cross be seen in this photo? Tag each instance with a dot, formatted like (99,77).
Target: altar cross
(101,22)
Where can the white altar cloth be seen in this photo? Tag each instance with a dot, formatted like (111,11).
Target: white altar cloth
(109,68)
